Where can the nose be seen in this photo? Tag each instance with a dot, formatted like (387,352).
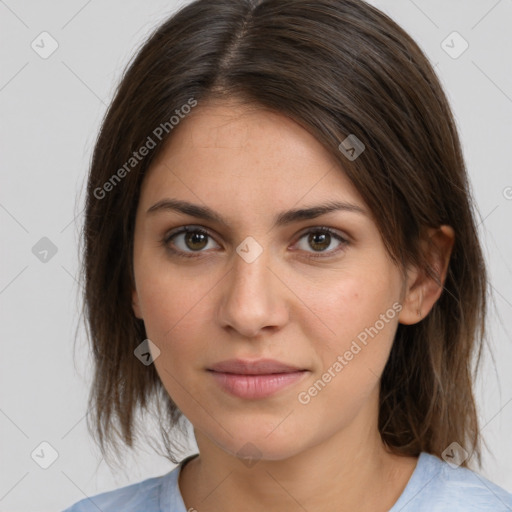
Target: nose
(253,298)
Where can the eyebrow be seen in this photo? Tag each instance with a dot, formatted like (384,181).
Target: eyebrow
(282,219)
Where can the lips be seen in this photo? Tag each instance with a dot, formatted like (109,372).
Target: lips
(255,379)
(259,367)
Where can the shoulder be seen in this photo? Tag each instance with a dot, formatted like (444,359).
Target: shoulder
(151,495)
(437,486)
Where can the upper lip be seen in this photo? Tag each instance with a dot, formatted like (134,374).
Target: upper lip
(257,367)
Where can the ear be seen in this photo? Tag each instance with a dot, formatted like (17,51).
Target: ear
(421,289)
(135,304)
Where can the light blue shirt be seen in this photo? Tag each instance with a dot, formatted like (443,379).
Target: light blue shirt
(434,486)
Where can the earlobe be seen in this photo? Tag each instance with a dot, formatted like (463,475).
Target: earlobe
(424,288)
(412,299)
(135,305)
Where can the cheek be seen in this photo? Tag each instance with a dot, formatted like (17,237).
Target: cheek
(175,310)
(351,339)
(170,295)
(352,352)
(341,308)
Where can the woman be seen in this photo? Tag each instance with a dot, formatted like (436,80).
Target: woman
(280,248)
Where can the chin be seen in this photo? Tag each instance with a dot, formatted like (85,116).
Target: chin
(250,451)
(259,442)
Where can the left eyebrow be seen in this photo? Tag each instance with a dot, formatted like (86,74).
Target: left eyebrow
(312,212)
(282,219)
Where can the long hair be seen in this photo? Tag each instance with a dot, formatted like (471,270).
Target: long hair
(338,68)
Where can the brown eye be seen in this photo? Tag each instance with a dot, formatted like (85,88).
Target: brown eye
(188,239)
(196,240)
(322,241)
(319,241)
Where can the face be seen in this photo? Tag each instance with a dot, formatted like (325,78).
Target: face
(237,260)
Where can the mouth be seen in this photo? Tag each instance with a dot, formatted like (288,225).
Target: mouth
(255,379)
(258,367)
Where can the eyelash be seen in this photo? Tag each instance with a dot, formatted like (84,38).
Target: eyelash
(196,229)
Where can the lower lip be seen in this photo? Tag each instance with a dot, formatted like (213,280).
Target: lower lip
(256,386)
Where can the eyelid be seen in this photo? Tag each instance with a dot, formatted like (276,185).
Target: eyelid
(325,229)
(344,241)
(187,228)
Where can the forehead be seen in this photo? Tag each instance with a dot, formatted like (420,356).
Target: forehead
(227,153)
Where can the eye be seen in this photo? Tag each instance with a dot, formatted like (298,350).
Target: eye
(191,241)
(187,240)
(322,240)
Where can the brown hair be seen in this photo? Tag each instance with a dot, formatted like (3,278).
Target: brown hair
(337,67)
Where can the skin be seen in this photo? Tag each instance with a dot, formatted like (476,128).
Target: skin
(248,165)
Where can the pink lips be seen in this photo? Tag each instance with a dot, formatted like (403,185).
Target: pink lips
(255,379)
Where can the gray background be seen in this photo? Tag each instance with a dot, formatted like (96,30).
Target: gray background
(50,111)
